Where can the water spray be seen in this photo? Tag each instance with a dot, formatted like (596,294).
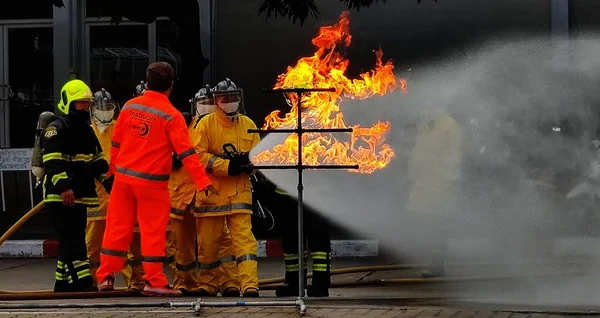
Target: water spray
(300,167)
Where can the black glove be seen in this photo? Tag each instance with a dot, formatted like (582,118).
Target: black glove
(177,163)
(236,163)
(108,183)
(246,163)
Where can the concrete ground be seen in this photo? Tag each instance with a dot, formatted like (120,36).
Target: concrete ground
(479,290)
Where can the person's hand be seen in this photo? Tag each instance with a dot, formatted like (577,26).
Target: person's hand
(176,163)
(68,197)
(212,189)
(238,164)
(108,183)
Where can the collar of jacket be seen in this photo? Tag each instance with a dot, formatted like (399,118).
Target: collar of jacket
(157,95)
(225,121)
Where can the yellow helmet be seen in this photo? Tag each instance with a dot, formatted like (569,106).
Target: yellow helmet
(73,90)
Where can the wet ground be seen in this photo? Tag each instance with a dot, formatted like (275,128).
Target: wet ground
(534,289)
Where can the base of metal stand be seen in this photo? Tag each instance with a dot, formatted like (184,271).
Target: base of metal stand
(199,304)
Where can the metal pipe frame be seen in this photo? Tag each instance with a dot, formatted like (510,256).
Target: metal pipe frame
(196,305)
(304,167)
(300,167)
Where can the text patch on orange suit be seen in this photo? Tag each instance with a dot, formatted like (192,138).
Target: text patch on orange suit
(140,128)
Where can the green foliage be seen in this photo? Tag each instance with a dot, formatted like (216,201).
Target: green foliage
(300,10)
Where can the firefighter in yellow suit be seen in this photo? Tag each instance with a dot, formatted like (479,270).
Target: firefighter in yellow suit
(224,144)
(103,113)
(434,172)
(183,201)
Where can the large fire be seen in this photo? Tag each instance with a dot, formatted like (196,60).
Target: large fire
(325,69)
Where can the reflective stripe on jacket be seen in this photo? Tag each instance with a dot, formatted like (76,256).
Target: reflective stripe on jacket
(215,130)
(72,159)
(149,129)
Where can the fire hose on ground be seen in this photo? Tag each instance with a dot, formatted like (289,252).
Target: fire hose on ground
(265,284)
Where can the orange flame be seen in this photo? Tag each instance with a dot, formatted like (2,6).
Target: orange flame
(325,69)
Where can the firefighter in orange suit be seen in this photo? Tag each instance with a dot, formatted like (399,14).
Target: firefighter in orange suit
(183,200)
(103,112)
(133,257)
(224,129)
(147,132)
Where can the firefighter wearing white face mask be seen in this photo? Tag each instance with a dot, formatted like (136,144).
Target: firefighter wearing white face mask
(225,127)
(184,192)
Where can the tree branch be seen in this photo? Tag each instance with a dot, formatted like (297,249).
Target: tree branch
(300,10)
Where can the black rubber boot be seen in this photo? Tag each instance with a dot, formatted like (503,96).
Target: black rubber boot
(321,281)
(290,287)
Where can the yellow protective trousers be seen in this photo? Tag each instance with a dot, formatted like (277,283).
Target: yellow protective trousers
(213,241)
(187,273)
(171,249)
(133,271)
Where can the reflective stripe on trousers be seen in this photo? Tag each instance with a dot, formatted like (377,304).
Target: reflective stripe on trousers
(223,208)
(224,259)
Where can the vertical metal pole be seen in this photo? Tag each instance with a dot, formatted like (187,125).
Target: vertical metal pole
(2,190)
(30,188)
(152,43)
(300,203)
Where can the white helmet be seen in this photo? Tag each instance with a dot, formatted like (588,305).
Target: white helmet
(104,108)
(229,98)
(203,102)
(140,89)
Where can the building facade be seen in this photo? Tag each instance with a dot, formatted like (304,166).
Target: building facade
(43,46)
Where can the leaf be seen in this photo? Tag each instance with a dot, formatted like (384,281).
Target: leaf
(299,10)
(58,3)
(273,8)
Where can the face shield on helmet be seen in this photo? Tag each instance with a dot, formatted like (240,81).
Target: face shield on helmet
(203,102)
(104,108)
(229,98)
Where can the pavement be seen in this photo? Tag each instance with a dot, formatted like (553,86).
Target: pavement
(529,289)
(266,248)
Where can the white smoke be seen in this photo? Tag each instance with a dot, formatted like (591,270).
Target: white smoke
(517,161)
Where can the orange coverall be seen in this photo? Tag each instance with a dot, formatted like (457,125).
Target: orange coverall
(149,129)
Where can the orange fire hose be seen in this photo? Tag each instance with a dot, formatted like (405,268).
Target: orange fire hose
(21,221)
(265,284)
(42,295)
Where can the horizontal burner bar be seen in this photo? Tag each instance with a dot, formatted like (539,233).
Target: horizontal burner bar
(298,90)
(289,167)
(303,130)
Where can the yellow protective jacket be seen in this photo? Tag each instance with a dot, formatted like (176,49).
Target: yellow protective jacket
(104,137)
(435,165)
(182,187)
(214,130)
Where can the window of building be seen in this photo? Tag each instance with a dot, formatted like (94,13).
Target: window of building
(119,58)
(28,9)
(168,43)
(30,63)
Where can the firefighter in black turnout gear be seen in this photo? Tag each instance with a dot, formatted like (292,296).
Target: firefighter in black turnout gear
(317,236)
(73,160)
